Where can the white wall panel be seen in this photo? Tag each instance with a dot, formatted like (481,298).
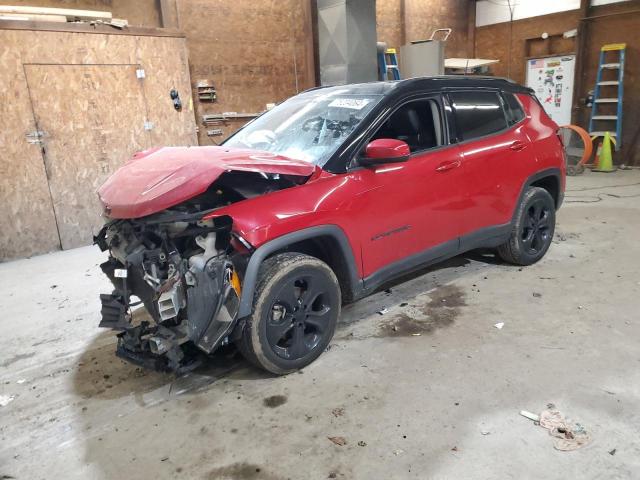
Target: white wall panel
(489,12)
(496,11)
(595,3)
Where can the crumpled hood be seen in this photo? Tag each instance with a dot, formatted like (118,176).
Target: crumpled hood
(159,178)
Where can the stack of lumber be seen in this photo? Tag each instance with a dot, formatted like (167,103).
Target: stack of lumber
(9,12)
(212,119)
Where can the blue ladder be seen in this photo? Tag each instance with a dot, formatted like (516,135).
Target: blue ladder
(388,62)
(598,100)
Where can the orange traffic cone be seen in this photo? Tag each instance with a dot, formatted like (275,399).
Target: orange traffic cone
(605,162)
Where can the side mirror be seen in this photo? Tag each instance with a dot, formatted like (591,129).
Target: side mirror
(385,150)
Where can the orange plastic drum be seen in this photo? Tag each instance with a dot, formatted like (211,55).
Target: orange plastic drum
(577,148)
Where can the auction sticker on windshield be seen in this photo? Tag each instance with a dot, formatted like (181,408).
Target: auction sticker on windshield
(353,103)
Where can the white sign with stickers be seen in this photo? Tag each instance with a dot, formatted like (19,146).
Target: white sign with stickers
(551,78)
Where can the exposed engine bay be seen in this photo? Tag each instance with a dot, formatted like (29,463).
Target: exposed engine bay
(186,271)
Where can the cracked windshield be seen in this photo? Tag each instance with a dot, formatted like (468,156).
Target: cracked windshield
(308,127)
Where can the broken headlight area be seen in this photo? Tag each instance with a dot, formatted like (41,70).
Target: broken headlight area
(184,271)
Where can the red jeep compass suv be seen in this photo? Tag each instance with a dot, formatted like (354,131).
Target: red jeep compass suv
(317,202)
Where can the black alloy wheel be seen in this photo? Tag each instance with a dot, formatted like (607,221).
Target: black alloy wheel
(535,228)
(300,316)
(532,229)
(295,311)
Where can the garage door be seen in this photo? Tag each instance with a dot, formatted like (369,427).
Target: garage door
(90,119)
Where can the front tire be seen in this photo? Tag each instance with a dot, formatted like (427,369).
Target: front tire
(295,310)
(533,230)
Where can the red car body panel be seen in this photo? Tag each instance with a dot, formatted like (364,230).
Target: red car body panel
(392,211)
(387,212)
(495,167)
(160,178)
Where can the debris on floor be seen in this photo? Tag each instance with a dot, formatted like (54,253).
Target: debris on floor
(6,400)
(338,412)
(530,416)
(383,311)
(340,441)
(567,435)
(499,325)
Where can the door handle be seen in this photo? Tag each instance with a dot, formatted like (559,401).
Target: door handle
(518,145)
(444,166)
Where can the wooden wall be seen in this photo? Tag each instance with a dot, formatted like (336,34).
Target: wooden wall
(87,135)
(403,21)
(255,53)
(492,41)
(390,22)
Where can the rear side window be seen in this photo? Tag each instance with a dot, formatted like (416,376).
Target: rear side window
(477,114)
(515,113)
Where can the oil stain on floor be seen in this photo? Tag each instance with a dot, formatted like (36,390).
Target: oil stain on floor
(274,401)
(441,311)
(240,471)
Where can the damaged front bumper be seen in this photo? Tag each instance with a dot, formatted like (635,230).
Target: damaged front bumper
(193,310)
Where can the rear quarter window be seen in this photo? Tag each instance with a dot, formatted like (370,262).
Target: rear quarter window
(514,110)
(477,114)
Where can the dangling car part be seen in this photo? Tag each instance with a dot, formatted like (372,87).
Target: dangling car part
(183,274)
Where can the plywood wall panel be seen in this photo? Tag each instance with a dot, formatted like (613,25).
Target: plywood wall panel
(166,67)
(420,19)
(27,223)
(254,52)
(389,22)
(93,117)
(64,48)
(424,16)
(493,42)
(27,218)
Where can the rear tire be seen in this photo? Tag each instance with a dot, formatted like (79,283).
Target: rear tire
(533,230)
(295,310)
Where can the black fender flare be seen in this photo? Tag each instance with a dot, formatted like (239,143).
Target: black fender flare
(251,273)
(548,172)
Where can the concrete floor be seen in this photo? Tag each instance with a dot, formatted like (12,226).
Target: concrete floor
(443,404)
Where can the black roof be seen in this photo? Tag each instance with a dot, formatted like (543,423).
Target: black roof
(434,83)
(462,81)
